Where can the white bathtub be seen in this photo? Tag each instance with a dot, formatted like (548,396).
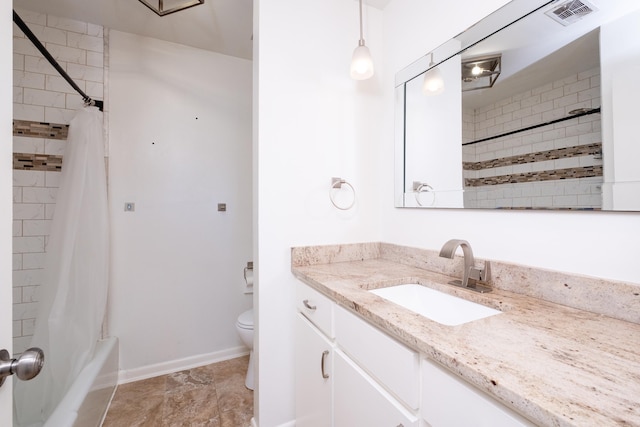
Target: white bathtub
(86,403)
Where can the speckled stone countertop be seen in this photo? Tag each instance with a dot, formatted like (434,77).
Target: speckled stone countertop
(555,364)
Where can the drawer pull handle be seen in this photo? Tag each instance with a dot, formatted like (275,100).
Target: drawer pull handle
(324,356)
(309,306)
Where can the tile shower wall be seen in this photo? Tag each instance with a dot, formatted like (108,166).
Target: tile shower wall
(41,97)
(499,175)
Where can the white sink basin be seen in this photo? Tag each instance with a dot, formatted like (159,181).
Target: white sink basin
(435,305)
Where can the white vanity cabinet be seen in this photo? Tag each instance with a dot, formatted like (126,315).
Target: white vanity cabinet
(313,358)
(449,401)
(314,376)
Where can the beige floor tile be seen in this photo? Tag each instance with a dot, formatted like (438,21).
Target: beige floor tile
(208,396)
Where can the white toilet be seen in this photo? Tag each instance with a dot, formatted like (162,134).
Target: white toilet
(244,325)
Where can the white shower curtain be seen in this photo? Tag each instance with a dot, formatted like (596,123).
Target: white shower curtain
(74,291)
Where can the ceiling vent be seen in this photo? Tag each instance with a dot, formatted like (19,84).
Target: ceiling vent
(571,11)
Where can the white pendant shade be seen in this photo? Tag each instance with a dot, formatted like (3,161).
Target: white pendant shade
(433,83)
(361,63)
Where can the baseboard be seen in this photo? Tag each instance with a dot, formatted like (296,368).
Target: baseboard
(142,373)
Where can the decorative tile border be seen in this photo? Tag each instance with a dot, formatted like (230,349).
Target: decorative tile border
(40,130)
(548,175)
(540,156)
(37,162)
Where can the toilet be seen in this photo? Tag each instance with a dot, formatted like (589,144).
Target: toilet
(244,325)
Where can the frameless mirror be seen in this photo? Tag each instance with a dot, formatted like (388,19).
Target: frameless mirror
(531,108)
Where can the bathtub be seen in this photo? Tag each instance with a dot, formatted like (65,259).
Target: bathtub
(86,402)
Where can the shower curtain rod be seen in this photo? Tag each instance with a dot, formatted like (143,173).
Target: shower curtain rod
(575,116)
(27,32)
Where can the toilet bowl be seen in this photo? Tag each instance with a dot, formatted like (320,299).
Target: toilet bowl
(244,326)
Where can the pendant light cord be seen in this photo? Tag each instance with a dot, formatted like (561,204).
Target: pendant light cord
(361,41)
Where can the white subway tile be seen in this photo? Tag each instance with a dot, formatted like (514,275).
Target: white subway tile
(48,34)
(541,89)
(67,24)
(58,84)
(58,115)
(68,54)
(20,344)
(44,98)
(28,211)
(522,112)
(18,62)
(29,244)
(36,227)
(28,325)
(17,324)
(588,74)
(552,94)
(542,202)
(26,178)
(589,94)
(565,100)
(52,179)
(17,261)
(38,64)
(33,260)
(54,147)
(73,101)
(530,101)
(85,42)
(95,59)
(84,72)
(25,311)
(27,144)
(566,81)
(95,90)
(579,86)
(24,46)
(532,120)
(568,162)
(31,17)
(18,95)
(39,194)
(579,129)
(28,112)
(27,79)
(28,277)
(95,30)
(542,107)
(17,228)
(17,194)
(512,125)
(565,201)
(589,138)
(49,210)
(521,96)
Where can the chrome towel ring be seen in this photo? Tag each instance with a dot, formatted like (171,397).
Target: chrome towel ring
(336,184)
(423,187)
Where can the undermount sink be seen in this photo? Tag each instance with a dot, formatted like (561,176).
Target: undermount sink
(435,305)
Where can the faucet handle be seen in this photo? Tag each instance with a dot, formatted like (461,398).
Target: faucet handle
(482,274)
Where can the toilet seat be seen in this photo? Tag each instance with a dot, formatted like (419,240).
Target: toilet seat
(245,320)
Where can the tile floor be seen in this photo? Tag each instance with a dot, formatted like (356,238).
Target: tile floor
(211,396)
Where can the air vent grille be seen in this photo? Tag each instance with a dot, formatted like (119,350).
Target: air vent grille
(571,11)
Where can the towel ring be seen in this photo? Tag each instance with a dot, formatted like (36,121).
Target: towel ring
(336,183)
(423,187)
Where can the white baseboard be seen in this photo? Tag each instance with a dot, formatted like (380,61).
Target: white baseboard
(142,373)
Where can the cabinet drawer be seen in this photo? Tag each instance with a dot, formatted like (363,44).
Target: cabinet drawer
(315,307)
(360,401)
(393,364)
(449,401)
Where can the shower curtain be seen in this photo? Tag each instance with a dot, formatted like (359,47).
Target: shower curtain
(74,290)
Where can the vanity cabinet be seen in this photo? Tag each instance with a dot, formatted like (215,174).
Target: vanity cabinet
(449,401)
(361,401)
(350,373)
(314,375)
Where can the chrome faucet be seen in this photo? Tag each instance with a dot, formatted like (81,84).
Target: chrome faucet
(471,273)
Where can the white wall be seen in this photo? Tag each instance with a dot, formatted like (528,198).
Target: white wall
(180,143)
(313,123)
(591,243)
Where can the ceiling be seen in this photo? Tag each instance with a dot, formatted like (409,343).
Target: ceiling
(223,26)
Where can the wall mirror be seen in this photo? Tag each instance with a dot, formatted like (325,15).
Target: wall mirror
(530,108)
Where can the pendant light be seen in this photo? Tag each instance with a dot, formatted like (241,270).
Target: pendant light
(433,83)
(361,61)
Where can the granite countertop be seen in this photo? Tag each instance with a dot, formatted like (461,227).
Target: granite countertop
(556,365)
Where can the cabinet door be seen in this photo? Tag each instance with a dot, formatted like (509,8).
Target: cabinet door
(314,376)
(360,401)
(448,401)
